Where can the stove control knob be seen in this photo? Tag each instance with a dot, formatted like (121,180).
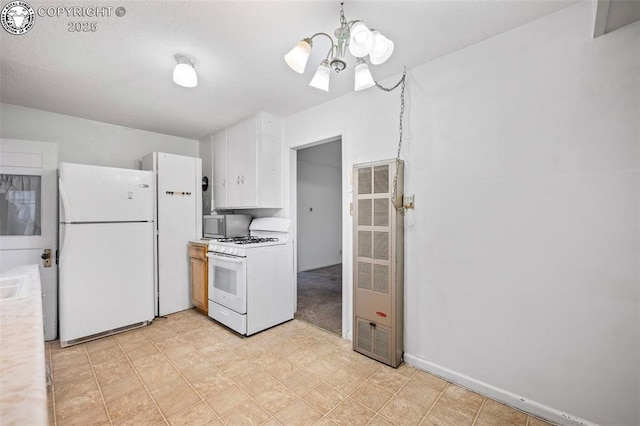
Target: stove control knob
(223,249)
(214,248)
(235,251)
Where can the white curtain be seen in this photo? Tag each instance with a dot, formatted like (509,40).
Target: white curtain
(19,205)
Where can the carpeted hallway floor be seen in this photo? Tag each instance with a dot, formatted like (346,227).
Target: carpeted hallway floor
(320,298)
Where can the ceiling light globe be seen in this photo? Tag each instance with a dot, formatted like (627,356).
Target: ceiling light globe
(298,56)
(184,74)
(360,37)
(363,79)
(382,49)
(362,40)
(321,78)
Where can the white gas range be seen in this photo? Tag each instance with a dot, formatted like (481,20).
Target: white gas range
(251,279)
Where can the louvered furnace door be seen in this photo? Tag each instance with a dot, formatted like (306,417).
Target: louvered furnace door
(378,241)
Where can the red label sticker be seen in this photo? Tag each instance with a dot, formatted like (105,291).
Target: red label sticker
(381,314)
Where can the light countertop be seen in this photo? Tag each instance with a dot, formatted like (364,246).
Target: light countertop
(23,390)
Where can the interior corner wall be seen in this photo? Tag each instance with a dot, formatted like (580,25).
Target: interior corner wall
(522,253)
(89,142)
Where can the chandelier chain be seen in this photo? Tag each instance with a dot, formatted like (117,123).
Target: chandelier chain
(403,81)
(343,20)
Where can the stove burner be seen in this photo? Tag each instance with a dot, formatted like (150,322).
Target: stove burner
(247,240)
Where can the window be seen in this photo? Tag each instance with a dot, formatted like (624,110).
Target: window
(19,204)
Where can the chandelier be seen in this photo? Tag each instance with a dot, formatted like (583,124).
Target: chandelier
(352,35)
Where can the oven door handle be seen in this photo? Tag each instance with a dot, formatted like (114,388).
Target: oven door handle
(225,258)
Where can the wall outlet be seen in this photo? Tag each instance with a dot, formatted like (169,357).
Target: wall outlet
(407,201)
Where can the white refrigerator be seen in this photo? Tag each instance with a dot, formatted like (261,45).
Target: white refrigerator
(178,220)
(106,271)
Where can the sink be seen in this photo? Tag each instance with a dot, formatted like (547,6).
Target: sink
(13,287)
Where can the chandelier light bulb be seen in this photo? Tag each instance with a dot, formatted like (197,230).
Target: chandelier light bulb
(363,79)
(298,56)
(184,74)
(382,49)
(362,40)
(321,78)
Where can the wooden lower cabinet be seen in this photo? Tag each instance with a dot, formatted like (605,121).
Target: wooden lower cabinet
(199,271)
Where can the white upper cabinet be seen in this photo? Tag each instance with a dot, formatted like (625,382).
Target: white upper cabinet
(242,164)
(248,164)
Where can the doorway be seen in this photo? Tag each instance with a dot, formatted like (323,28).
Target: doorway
(319,218)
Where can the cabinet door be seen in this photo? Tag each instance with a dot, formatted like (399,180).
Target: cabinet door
(198,277)
(220,170)
(241,164)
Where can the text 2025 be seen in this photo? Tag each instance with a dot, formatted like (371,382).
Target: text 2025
(83,27)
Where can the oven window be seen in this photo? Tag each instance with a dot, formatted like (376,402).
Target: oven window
(225,280)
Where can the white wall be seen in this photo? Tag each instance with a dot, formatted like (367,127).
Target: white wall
(87,141)
(319,206)
(206,154)
(522,255)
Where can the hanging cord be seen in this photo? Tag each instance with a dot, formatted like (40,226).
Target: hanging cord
(403,80)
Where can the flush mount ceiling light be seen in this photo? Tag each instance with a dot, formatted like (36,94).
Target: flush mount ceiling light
(360,41)
(184,74)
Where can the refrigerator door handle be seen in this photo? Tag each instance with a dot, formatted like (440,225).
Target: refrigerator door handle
(65,200)
(65,237)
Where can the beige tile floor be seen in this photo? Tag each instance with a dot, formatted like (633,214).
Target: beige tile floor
(188,370)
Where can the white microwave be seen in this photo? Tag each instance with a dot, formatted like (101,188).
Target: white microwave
(226,225)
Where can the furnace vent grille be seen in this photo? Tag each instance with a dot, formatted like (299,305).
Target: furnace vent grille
(378,262)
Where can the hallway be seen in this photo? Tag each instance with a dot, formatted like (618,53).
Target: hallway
(320,298)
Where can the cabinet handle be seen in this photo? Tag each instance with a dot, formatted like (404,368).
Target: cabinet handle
(224,182)
(242,179)
(238,180)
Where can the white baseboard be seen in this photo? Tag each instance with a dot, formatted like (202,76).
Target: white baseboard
(508,398)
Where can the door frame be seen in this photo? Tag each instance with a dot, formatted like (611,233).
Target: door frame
(347,282)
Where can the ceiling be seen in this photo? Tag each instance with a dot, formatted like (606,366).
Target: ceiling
(121,73)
